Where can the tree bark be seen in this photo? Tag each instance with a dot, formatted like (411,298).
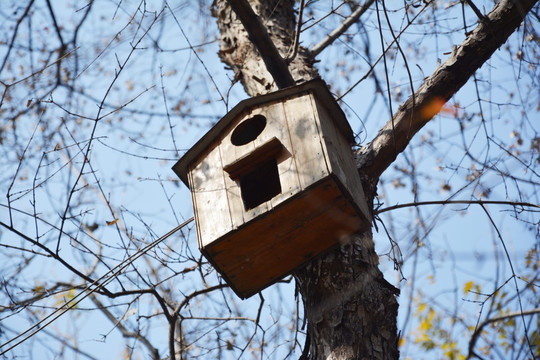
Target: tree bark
(351,310)
(240,54)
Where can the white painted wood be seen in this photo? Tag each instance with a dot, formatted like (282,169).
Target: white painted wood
(210,198)
(288,173)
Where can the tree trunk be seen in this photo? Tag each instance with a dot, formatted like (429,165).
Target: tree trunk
(351,310)
(240,54)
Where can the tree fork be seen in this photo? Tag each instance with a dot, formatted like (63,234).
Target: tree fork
(275,64)
(437,89)
(240,49)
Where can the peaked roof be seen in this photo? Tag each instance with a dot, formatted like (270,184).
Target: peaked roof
(317,87)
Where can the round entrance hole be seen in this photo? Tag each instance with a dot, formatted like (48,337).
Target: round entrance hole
(248,130)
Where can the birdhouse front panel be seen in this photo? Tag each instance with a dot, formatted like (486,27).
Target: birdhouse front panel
(274,184)
(261,174)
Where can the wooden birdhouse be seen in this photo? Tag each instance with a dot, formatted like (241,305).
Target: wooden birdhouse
(274,184)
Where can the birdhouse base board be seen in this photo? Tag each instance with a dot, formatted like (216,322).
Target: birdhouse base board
(271,246)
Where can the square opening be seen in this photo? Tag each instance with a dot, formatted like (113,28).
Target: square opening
(260,184)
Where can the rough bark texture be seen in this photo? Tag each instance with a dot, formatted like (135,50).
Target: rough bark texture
(239,53)
(351,310)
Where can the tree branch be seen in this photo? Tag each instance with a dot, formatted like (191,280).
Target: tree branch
(479,328)
(173,320)
(258,34)
(353,18)
(297,35)
(450,202)
(123,330)
(475,9)
(438,88)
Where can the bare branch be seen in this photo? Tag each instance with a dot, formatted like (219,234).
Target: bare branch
(437,89)
(173,320)
(475,9)
(353,18)
(88,290)
(123,330)
(513,276)
(479,328)
(14,36)
(465,202)
(297,35)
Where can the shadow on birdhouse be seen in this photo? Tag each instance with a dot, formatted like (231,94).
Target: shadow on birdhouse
(274,184)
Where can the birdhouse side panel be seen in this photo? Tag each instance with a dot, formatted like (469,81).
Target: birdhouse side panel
(339,152)
(306,142)
(209,194)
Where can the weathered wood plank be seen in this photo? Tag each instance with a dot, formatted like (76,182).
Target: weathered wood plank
(307,147)
(210,198)
(288,172)
(339,153)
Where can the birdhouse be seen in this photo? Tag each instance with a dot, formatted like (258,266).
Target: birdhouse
(274,184)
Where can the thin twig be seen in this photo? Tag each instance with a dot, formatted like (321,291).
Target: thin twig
(404,61)
(123,330)
(174,316)
(353,18)
(386,75)
(476,10)
(297,35)
(88,290)
(14,36)
(479,328)
(382,55)
(466,202)
(514,276)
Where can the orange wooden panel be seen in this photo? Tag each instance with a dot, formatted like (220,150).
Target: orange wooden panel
(271,246)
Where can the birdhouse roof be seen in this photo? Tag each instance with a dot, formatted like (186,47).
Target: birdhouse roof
(317,87)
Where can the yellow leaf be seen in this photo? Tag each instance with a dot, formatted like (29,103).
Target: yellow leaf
(428,322)
(468,286)
(65,298)
(112,222)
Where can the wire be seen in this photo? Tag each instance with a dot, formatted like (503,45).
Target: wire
(91,288)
